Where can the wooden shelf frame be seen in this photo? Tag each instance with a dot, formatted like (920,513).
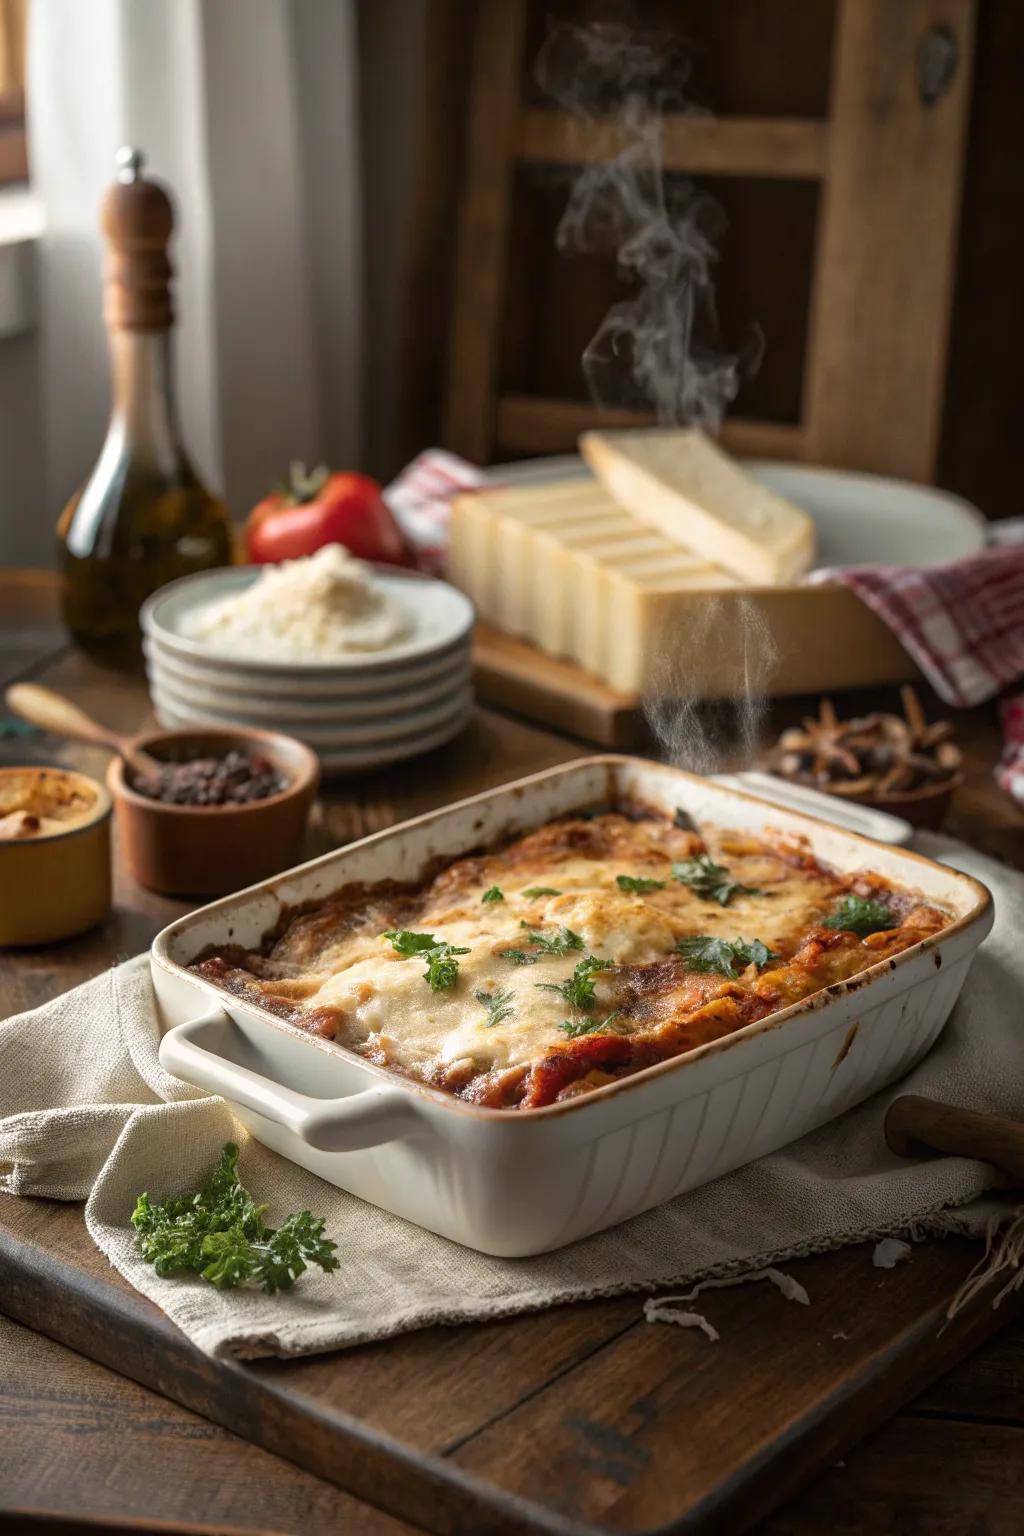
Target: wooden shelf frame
(890,167)
(696,144)
(536,424)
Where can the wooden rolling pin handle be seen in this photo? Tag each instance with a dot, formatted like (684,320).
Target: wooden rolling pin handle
(914,1126)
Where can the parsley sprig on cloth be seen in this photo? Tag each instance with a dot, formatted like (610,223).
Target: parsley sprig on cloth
(219,1233)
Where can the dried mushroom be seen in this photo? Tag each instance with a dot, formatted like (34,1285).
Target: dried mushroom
(874,756)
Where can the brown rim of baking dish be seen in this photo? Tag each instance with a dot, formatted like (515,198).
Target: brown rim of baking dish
(102,809)
(814,1002)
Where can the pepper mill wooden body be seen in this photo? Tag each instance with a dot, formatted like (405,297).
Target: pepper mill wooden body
(143,517)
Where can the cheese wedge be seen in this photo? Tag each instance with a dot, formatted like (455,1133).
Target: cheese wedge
(678,481)
(562,565)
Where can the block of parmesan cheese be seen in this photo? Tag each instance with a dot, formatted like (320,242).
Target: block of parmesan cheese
(678,481)
(562,565)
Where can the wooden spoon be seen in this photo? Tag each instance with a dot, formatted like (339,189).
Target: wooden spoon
(52,712)
(915,1126)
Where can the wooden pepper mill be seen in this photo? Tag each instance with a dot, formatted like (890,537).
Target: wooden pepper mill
(143,517)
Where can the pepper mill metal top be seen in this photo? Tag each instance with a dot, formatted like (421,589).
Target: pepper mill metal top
(130,163)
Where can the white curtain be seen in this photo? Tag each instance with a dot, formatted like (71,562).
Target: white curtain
(249,112)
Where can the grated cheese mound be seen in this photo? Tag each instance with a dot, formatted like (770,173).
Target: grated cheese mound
(323,608)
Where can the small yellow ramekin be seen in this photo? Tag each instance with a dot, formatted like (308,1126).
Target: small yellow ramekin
(56,884)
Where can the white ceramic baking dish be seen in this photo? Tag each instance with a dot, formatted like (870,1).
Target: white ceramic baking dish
(519,1182)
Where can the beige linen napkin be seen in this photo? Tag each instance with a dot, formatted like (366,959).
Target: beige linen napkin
(86,1111)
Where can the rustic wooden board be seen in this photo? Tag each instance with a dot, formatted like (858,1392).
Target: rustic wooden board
(511,674)
(82,1445)
(583,1419)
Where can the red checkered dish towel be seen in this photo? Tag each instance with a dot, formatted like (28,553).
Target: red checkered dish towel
(962,623)
(420,499)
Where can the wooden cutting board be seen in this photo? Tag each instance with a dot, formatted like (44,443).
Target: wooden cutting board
(824,642)
(803,639)
(511,674)
(583,1419)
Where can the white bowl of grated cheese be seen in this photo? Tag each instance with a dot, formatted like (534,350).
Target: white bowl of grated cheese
(358,661)
(327,612)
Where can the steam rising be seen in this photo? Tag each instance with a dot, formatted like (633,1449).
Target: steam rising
(647,352)
(655,351)
(694,732)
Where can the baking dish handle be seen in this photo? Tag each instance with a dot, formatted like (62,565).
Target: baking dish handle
(364,1119)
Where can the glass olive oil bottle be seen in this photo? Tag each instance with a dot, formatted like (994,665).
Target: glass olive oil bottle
(143,517)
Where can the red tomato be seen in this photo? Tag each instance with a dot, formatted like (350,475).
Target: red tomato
(320,509)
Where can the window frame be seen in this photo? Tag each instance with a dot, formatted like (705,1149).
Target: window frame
(13,139)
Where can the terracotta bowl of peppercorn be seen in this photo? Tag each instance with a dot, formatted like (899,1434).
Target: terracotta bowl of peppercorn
(228,808)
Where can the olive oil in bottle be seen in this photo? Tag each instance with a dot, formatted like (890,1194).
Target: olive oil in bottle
(143,517)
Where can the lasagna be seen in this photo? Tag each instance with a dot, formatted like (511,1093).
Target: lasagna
(573,956)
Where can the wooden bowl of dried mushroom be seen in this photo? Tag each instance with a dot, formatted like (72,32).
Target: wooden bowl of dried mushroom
(901,764)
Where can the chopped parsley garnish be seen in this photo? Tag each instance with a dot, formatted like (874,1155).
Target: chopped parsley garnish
(518,956)
(578,990)
(442,970)
(728,959)
(540,890)
(406,942)
(710,880)
(558,943)
(494,894)
(856,914)
(498,1004)
(576,1027)
(219,1234)
(637,885)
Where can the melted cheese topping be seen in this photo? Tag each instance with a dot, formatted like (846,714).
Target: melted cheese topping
(332,969)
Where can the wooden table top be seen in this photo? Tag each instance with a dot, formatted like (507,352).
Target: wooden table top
(84,1443)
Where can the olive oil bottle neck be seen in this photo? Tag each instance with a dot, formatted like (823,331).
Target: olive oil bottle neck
(143,415)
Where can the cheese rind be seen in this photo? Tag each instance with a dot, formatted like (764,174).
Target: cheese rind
(677,480)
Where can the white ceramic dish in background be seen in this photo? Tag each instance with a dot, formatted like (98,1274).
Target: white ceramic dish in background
(512,1182)
(442,617)
(860,519)
(356,759)
(328,734)
(249,696)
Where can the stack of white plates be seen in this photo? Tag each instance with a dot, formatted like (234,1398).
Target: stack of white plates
(365,711)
